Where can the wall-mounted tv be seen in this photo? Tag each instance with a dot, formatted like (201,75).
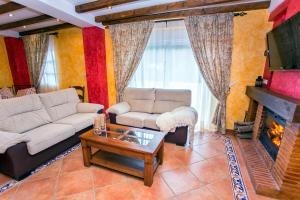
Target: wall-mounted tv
(284,45)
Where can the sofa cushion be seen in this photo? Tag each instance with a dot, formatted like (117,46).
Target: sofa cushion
(167,100)
(8,139)
(150,121)
(60,104)
(79,120)
(140,99)
(21,114)
(46,136)
(135,119)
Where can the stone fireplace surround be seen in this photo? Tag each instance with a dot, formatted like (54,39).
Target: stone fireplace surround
(279,178)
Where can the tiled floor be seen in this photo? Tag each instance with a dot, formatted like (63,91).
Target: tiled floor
(185,174)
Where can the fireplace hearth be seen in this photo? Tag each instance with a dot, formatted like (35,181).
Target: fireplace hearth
(272,156)
(272,130)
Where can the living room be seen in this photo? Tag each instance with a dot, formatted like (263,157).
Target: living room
(151,99)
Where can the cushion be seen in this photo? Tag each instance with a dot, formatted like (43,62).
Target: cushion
(89,107)
(150,121)
(6,93)
(26,92)
(167,100)
(21,114)
(119,108)
(60,104)
(135,119)
(8,139)
(79,121)
(46,136)
(140,99)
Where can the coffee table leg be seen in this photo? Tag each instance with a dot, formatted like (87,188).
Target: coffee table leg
(160,154)
(87,153)
(148,170)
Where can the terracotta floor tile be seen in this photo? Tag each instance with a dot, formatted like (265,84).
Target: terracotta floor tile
(40,189)
(103,177)
(202,193)
(210,149)
(74,182)
(169,164)
(209,171)
(48,172)
(188,156)
(158,190)
(181,180)
(9,194)
(89,195)
(3,179)
(76,153)
(115,192)
(222,189)
(71,164)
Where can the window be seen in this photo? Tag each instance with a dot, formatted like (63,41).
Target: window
(168,62)
(49,80)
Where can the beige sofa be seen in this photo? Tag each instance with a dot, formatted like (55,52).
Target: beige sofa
(142,107)
(35,128)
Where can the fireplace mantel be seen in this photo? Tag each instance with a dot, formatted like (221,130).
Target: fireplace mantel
(286,107)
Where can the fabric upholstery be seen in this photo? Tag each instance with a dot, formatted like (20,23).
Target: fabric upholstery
(150,121)
(79,121)
(140,99)
(8,139)
(6,93)
(135,119)
(46,136)
(27,91)
(60,104)
(22,114)
(119,108)
(89,107)
(167,100)
(129,42)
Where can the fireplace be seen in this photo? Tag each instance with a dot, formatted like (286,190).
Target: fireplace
(272,130)
(272,156)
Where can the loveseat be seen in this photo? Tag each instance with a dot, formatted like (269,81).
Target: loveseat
(36,128)
(153,109)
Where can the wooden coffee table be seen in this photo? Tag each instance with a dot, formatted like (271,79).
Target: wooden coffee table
(129,150)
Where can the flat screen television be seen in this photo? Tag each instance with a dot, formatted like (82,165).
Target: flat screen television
(284,45)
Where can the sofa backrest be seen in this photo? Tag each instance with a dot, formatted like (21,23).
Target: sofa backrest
(167,100)
(140,99)
(60,104)
(22,114)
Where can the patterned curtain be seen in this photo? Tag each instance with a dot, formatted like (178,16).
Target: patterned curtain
(211,37)
(129,42)
(36,47)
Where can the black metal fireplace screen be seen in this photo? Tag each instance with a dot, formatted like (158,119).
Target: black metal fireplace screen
(272,130)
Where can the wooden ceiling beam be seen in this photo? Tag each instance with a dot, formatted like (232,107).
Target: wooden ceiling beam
(47,29)
(26,22)
(9,7)
(100,4)
(236,6)
(163,8)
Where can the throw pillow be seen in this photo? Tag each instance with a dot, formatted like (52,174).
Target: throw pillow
(6,93)
(27,91)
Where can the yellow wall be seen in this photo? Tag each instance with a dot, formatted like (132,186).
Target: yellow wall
(70,59)
(5,74)
(110,68)
(247,60)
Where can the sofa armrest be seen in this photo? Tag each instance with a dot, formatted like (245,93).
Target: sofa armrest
(119,108)
(89,108)
(8,139)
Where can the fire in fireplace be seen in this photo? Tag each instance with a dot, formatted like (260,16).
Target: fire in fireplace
(272,130)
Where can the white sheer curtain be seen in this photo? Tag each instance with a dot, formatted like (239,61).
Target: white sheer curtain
(168,62)
(49,80)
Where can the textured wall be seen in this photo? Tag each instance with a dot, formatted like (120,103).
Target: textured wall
(70,58)
(5,73)
(110,68)
(248,60)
